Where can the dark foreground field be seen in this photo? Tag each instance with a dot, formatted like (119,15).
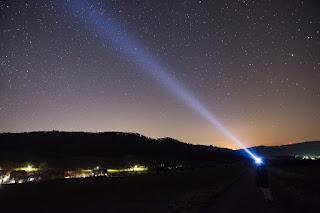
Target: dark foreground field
(181,191)
(298,186)
(295,188)
(223,188)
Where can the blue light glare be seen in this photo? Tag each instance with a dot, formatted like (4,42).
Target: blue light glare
(258,160)
(108,30)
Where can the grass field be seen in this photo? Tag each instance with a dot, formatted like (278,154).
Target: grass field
(181,191)
(301,181)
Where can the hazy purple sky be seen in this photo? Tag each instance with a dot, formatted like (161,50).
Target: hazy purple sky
(254,64)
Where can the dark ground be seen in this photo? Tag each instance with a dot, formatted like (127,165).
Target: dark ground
(224,188)
(288,189)
(164,192)
(244,196)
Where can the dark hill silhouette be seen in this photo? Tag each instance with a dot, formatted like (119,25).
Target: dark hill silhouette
(301,149)
(71,149)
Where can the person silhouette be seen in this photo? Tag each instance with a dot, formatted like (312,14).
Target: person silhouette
(263,182)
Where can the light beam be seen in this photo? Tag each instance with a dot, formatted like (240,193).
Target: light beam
(105,26)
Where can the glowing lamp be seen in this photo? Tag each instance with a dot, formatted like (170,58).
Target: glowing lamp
(258,160)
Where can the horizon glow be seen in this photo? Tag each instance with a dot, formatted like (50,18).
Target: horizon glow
(109,30)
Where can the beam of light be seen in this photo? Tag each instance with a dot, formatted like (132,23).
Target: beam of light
(100,23)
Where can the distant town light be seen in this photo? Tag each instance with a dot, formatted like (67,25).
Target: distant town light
(29,168)
(30,179)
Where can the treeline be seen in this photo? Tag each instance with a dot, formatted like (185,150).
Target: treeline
(117,149)
(311,148)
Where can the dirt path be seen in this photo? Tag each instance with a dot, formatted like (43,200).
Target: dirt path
(244,196)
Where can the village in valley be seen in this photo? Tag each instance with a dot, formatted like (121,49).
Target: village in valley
(32,174)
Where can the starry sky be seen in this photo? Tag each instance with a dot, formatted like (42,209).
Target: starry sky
(255,65)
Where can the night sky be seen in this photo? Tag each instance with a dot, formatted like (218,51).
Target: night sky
(255,65)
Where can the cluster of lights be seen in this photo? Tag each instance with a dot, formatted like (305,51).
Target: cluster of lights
(138,168)
(68,174)
(29,168)
(310,157)
(134,168)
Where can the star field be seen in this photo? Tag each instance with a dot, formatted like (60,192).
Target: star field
(254,64)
